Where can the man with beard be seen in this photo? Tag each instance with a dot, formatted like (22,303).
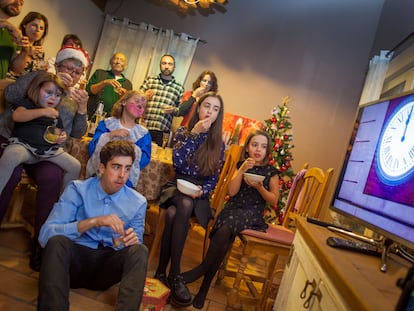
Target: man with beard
(10,39)
(108,86)
(165,96)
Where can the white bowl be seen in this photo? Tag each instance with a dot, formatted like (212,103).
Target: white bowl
(186,187)
(253,177)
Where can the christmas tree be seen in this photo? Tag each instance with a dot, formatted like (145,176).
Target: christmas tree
(279,128)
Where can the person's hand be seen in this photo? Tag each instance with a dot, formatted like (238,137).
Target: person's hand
(66,78)
(112,82)
(121,91)
(198,194)
(35,51)
(130,237)
(119,133)
(62,138)
(168,109)
(202,126)
(112,221)
(81,98)
(199,91)
(256,185)
(247,164)
(149,94)
(24,43)
(50,113)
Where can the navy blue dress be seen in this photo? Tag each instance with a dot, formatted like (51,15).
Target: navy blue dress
(245,209)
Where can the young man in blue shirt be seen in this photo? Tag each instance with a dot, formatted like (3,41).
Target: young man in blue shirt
(78,236)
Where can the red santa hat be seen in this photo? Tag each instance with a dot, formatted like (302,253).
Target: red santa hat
(73,52)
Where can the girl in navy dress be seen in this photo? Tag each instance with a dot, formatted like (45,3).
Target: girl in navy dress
(198,152)
(244,209)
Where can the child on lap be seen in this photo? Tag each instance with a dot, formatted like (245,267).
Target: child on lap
(32,117)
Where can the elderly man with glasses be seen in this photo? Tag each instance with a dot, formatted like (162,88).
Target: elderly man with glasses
(71,62)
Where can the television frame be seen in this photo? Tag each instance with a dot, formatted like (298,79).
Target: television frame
(353,198)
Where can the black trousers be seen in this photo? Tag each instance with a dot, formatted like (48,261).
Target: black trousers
(66,265)
(156,136)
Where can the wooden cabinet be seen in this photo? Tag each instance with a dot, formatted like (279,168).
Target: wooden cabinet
(318,277)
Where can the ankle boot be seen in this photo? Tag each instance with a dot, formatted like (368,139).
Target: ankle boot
(180,295)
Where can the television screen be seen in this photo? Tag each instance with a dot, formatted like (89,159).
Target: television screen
(376,184)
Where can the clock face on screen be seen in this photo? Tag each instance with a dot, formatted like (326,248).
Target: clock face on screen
(395,153)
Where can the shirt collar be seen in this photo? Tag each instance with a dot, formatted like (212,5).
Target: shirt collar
(102,194)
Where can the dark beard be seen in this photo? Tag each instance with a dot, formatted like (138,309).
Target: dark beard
(11,10)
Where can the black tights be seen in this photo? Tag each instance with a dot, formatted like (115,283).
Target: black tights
(220,244)
(175,233)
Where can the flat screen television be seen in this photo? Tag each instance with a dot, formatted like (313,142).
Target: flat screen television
(376,183)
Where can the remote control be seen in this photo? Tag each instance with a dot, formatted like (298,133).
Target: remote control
(323,223)
(360,247)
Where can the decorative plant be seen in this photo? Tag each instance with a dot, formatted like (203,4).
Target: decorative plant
(279,128)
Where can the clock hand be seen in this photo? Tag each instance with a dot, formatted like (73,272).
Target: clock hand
(407,122)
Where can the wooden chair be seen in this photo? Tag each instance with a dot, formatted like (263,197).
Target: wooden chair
(232,157)
(309,202)
(13,217)
(263,255)
(217,201)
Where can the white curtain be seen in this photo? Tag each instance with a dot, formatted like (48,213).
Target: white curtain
(374,81)
(143,44)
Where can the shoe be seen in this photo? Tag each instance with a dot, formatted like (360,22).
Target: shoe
(180,295)
(161,277)
(35,260)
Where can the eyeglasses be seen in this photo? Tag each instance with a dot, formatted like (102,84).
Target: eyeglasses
(72,70)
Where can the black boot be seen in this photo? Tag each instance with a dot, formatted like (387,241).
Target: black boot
(180,295)
(35,256)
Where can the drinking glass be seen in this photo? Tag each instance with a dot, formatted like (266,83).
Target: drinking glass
(117,240)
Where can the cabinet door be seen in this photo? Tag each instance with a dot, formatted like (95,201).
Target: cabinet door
(305,285)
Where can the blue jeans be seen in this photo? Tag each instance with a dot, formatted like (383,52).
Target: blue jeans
(66,264)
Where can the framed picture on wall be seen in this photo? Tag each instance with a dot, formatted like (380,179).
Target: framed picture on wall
(236,128)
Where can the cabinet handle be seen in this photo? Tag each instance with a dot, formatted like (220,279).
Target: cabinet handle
(315,292)
(313,284)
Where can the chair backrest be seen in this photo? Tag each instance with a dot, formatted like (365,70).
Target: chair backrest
(229,167)
(308,193)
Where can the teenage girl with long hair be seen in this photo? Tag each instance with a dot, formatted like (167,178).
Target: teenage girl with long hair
(198,153)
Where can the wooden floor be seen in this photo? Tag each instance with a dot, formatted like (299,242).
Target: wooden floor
(18,283)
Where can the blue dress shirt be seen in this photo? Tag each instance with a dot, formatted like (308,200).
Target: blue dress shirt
(83,199)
